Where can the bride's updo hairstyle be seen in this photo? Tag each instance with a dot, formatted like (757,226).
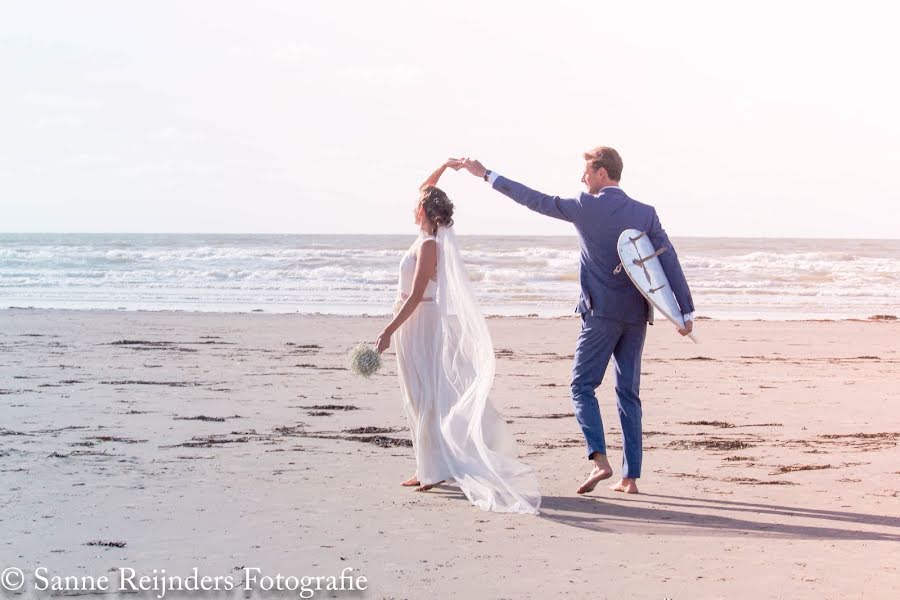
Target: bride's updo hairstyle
(438,208)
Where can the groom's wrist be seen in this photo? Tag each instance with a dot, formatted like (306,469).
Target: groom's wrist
(491,176)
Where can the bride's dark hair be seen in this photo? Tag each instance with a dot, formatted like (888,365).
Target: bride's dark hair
(438,208)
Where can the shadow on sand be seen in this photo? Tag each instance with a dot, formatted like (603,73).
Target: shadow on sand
(676,515)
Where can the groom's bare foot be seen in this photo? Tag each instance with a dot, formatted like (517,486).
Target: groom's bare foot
(629,486)
(411,482)
(602,470)
(428,486)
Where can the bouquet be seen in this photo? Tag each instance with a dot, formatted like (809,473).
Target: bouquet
(363,360)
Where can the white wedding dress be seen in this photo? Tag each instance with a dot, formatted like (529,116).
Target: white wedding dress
(446,366)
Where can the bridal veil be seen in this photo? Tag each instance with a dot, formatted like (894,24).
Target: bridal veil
(479,449)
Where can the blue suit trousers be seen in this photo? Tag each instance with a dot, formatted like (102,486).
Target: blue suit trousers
(600,339)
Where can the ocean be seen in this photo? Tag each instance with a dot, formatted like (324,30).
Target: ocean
(730,278)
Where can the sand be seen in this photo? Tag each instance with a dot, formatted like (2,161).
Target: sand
(225,441)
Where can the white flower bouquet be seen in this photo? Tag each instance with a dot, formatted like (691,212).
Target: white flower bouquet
(363,360)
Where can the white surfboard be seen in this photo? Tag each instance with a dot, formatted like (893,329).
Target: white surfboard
(641,263)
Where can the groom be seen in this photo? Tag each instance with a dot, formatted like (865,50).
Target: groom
(614,314)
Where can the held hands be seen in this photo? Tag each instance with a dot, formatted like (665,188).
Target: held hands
(474,167)
(688,327)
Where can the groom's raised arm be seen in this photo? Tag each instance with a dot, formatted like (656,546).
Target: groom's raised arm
(552,206)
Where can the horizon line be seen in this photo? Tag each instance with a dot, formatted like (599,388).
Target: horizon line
(573,235)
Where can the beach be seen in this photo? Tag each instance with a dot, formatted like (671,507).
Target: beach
(216,440)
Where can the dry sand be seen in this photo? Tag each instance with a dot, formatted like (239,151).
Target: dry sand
(181,440)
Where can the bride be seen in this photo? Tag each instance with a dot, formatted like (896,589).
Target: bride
(446,366)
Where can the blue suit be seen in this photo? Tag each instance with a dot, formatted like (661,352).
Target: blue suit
(614,314)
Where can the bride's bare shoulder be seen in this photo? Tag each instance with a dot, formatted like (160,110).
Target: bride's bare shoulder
(427,240)
(427,244)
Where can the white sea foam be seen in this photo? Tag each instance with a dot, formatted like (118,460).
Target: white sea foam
(358,274)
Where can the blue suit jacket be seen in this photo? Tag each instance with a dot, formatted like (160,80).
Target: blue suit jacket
(599,221)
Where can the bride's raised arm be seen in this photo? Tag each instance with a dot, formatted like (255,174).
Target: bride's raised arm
(453,163)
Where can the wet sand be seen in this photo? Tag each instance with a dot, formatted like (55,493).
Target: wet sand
(221,441)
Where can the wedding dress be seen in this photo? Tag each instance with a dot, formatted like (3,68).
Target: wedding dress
(446,367)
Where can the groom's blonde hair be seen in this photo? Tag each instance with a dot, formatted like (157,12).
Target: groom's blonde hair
(608,158)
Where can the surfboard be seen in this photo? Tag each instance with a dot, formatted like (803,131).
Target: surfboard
(640,261)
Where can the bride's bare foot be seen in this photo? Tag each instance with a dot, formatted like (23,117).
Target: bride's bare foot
(411,482)
(629,486)
(602,470)
(426,487)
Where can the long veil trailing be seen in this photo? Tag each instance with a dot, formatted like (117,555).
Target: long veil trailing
(480,450)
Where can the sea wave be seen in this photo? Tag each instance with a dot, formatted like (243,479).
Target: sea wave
(521,273)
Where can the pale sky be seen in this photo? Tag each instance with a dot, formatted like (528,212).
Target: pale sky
(750,119)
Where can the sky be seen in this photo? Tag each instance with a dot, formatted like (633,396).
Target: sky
(762,119)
